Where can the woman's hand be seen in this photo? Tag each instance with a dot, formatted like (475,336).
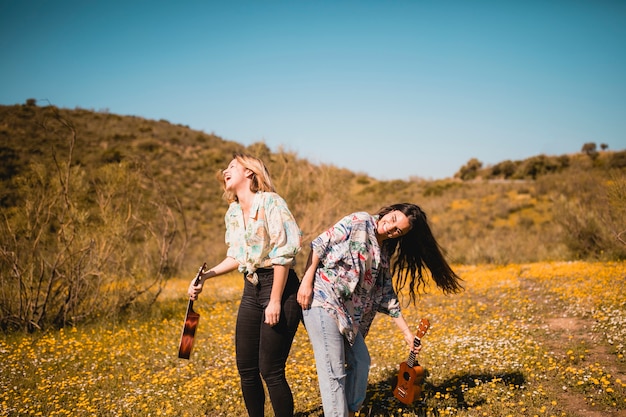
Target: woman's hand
(272,312)
(194,290)
(305,294)
(227,265)
(409,339)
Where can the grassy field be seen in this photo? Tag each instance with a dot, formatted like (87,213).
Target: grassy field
(543,339)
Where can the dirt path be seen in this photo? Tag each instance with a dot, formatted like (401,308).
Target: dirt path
(562,331)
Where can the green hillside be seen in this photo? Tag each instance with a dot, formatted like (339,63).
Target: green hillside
(97,203)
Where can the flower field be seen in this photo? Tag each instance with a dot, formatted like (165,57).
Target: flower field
(544,339)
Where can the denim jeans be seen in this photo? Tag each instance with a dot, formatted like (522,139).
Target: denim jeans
(261,349)
(342,370)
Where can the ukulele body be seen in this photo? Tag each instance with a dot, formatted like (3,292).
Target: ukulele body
(191,323)
(409,386)
(411,374)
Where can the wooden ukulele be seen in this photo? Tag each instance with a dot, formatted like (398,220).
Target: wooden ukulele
(411,374)
(191,323)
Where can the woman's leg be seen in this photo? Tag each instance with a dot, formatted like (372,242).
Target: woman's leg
(358,367)
(247,341)
(328,348)
(276,343)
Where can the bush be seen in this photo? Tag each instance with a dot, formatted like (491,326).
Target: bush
(592,212)
(80,246)
(618,160)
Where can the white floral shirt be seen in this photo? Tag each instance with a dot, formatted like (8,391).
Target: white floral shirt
(271,235)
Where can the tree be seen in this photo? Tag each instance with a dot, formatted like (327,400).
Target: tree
(469,171)
(590,149)
(505,169)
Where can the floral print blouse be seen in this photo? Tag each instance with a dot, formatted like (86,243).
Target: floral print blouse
(352,280)
(271,235)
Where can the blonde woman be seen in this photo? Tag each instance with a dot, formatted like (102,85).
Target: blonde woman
(263,240)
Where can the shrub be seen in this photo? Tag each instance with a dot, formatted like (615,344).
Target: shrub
(68,250)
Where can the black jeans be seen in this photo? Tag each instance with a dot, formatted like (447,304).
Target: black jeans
(261,349)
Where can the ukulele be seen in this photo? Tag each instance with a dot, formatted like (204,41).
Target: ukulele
(411,374)
(191,323)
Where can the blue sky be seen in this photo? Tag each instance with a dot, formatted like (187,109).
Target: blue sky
(393,89)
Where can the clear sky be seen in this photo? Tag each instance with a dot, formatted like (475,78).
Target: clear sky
(393,89)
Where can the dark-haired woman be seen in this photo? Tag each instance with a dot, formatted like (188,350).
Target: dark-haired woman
(348,279)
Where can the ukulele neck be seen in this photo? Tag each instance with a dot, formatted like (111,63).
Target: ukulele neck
(411,362)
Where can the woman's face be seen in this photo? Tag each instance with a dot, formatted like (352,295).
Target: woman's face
(393,225)
(234,175)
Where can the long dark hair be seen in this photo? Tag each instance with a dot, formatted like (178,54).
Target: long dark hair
(414,251)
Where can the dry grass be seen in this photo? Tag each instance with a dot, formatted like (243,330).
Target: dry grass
(541,339)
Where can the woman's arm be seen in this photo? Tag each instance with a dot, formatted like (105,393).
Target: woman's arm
(285,238)
(305,292)
(409,337)
(227,265)
(272,311)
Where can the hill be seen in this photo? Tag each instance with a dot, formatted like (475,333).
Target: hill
(120,203)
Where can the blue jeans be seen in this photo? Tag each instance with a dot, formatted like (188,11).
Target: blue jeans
(342,370)
(261,349)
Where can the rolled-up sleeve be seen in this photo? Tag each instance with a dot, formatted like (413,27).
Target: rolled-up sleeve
(285,235)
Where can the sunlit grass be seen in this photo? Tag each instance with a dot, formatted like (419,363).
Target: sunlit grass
(490,352)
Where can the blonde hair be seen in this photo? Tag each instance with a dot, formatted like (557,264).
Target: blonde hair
(261,180)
